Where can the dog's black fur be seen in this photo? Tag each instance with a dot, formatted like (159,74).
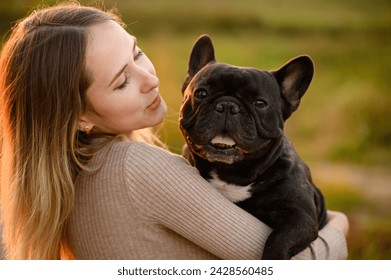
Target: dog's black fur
(233,119)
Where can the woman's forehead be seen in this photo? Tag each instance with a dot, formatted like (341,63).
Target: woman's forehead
(109,47)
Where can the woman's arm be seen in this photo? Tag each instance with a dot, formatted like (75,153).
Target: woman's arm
(171,192)
(339,221)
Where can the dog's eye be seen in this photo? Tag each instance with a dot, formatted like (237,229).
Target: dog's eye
(260,103)
(200,93)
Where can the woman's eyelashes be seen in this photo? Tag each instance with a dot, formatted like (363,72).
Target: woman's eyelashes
(139,53)
(124,84)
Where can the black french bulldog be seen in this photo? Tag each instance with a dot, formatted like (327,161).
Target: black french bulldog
(232,119)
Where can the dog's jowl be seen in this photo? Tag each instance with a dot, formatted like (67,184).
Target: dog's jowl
(233,121)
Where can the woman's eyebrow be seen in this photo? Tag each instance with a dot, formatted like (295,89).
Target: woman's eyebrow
(118,74)
(123,68)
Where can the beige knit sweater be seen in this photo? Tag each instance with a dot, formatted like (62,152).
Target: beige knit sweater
(147,203)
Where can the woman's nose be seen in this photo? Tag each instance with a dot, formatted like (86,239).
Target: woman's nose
(148,81)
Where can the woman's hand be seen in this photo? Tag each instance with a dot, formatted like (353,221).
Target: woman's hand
(339,221)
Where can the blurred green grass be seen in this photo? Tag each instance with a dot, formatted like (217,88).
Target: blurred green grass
(344,118)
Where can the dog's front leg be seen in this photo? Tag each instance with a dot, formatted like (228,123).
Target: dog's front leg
(295,231)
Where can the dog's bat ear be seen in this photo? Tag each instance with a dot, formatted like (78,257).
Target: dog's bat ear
(294,79)
(202,53)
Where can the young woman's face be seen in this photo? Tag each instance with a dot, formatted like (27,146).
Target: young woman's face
(124,93)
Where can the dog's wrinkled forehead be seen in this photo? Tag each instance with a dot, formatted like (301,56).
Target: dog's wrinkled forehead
(224,77)
(221,75)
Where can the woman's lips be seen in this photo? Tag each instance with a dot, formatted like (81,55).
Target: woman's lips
(155,103)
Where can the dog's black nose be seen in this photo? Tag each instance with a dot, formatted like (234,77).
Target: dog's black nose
(227,106)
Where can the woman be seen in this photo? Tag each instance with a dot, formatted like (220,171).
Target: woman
(80,174)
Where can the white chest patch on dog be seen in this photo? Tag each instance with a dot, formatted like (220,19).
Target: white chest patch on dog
(233,192)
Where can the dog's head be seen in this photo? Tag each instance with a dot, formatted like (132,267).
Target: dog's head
(231,113)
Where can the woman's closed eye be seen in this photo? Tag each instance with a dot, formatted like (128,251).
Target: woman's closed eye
(137,56)
(124,84)
(139,53)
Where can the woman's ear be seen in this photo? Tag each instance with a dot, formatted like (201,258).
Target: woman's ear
(85,125)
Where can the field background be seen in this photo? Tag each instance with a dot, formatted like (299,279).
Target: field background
(343,126)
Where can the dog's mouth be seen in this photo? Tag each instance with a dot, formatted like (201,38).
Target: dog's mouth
(223,142)
(222,148)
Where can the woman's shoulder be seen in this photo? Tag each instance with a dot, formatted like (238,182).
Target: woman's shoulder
(141,154)
(130,148)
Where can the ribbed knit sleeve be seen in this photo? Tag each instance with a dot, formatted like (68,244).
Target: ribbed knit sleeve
(170,192)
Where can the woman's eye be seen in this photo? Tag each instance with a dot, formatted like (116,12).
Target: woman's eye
(260,103)
(138,55)
(124,84)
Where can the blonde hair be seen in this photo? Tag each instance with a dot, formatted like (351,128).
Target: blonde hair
(43,82)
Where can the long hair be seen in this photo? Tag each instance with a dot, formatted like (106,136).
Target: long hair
(43,83)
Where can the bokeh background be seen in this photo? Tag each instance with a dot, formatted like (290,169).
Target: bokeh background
(343,126)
